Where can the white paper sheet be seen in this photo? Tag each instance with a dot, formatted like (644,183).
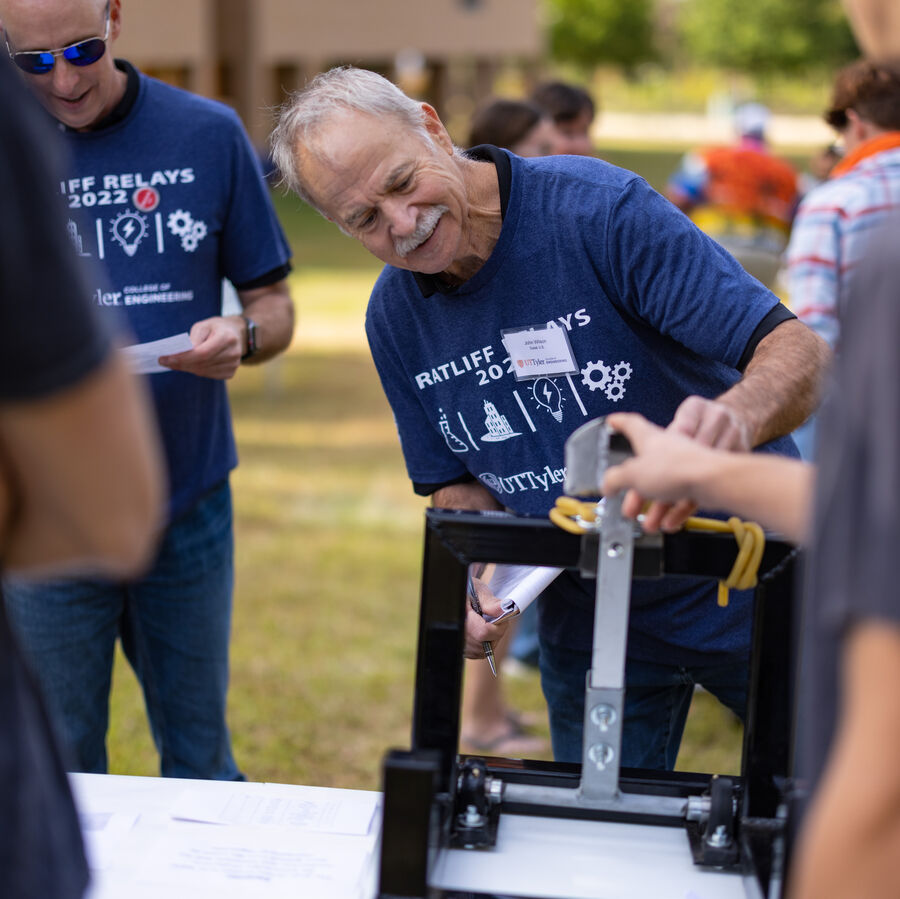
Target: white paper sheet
(252,861)
(103,833)
(519,586)
(142,357)
(309,809)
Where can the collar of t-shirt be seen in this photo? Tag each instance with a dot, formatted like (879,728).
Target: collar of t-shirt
(125,105)
(431,284)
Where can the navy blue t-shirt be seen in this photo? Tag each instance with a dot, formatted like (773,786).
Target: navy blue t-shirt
(654,311)
(169,199)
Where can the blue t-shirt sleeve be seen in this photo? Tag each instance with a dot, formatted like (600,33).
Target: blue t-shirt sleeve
(253,242)
(425,451)
(669,274)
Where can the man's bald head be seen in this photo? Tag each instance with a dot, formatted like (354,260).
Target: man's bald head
(17,10)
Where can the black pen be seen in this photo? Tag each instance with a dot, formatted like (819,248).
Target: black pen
(486,644)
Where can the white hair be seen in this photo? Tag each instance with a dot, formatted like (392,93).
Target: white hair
(341,89)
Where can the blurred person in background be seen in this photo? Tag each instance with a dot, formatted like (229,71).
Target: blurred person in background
(164,188)
(820,165)
(572,110)
(516,125)
(81,481)
(835,221)
(740,194)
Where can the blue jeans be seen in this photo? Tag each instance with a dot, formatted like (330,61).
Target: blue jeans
(175,625)
(525,644)
(657,699)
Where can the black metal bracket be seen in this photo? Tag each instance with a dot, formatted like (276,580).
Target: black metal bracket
(455,539)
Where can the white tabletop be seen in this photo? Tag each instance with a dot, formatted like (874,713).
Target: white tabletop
(138,851)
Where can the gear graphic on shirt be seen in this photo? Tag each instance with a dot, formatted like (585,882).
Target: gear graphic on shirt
(193,237)
(595,375)
(615,391)
(622,371)
(180,222)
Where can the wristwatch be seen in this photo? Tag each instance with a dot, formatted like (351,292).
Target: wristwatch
(251,338)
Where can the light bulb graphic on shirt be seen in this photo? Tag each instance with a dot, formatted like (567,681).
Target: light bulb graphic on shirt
(548,397)
(128,229)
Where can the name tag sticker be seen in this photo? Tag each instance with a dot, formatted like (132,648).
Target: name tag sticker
(539,351)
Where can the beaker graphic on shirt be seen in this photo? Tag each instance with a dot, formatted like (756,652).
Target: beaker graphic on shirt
(455,444)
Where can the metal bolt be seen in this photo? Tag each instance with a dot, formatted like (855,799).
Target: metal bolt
(604,716)
(615,550)
(601,754)
(719,839)
(472,818)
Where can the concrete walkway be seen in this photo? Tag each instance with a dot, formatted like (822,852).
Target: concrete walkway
(691,129)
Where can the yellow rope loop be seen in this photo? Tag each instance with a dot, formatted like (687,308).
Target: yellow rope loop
(564,522)
(751,542)
(568,510)
(569,513)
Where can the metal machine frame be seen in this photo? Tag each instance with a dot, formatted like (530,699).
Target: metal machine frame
(435,798)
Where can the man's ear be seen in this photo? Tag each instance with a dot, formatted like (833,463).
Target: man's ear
(115,19)
(435,128)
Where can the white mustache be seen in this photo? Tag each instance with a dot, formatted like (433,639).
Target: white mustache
(403,246)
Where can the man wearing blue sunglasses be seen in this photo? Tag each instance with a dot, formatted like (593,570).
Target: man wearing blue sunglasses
(164,190)
(81,93)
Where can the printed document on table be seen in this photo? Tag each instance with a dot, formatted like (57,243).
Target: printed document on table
(142,357)
(252,861)
(310,809)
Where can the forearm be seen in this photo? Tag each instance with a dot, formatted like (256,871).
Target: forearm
(772,490)
(782,383)
(473,496)
(470,495)
(272,310)
(850,839)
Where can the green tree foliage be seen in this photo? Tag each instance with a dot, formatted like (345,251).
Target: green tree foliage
(602,32)
(767,36)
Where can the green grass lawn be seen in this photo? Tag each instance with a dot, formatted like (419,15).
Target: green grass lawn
(328,553)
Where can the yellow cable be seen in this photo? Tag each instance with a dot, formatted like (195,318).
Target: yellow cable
(749,535)
(751,543)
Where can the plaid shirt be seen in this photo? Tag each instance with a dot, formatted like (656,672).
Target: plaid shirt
(831,235)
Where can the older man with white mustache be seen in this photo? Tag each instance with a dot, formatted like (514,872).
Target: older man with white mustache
(521,298)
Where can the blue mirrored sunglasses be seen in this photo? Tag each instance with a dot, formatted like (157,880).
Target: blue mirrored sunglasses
(84,53)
